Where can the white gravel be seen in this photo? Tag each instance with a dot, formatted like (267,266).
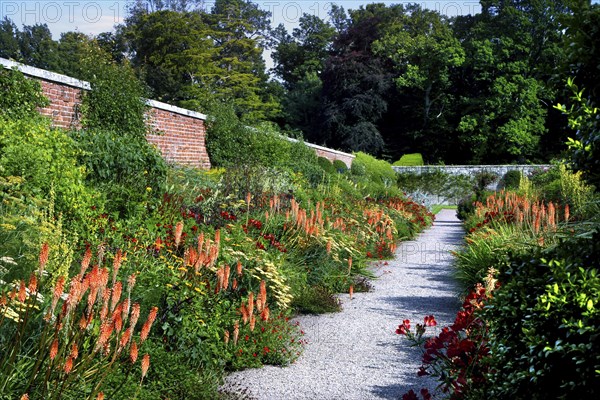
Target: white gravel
(356,354)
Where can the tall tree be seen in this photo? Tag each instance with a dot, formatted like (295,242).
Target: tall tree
(424,51)
(512,51)
(9,44)
(37,47)
(304,51)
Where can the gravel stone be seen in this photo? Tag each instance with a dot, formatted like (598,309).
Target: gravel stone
(356,354)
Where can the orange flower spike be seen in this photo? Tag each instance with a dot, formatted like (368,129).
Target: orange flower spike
(178,232)
(148,324)
(349,264)
(145,364)
(226,337)
(25,397)
(135,314)
(53,349)
(252,323)
(567,213)
(217,237)
(85,261)
(226,274)
(116,295)
(74,351)
(131,282)
(351,291)
(43,259)
(22,292)
(236,332)
(100,396)
(265,314)
(263,291)
(244,312)
(328,248)
(68,365)
(133,352)
(250,304)
(125,338)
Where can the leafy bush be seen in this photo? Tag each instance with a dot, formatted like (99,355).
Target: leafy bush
(512,179)
(544,322)
(409,160)
(339,166)
(377,175)
(116,102)
(326,165)
(583,119)
(46,160)
(230,142)
(126,169)
(21,97)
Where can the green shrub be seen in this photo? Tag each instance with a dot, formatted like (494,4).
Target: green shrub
(326,165)
(126,169)
(116,102)
(340,166)
(511,180)
(377,175)
(46,160)
(409,160)
(230,142)
(544,322)
(21,97)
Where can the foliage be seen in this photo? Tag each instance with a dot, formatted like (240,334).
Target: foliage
(127,170)
(45,159)
(339,166)
(511,179)
(583,118)
(376,174)
(326,165)
(409,160)
(116,102)
(442,185)
(550,298)
(457,357)
(21,97)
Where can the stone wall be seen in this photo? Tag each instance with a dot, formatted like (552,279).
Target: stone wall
(470,170)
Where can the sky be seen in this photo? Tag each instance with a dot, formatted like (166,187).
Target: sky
(96,16)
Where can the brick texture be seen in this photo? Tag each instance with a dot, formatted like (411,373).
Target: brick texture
(180,138)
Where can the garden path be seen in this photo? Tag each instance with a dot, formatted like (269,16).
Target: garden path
(356,354)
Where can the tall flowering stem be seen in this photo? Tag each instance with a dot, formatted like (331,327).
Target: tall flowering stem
(81,338)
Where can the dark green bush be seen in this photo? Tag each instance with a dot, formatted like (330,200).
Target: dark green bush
(126,169)
(21,97)
(326,165)
(377,176)
(544,322)
(512,179)
(340,166)
(116,102)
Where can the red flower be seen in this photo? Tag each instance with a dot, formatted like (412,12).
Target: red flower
(411,395)
(430,321)
(404,328)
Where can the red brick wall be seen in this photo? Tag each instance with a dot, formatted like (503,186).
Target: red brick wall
(64,104)
(180,138)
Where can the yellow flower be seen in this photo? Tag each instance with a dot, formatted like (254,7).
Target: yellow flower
(148,189)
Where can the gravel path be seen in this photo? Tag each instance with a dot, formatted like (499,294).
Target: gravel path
(356,354)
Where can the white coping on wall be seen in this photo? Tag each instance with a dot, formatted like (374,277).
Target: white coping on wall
(458,168)
(46,75)
(69,81)
(327,149)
